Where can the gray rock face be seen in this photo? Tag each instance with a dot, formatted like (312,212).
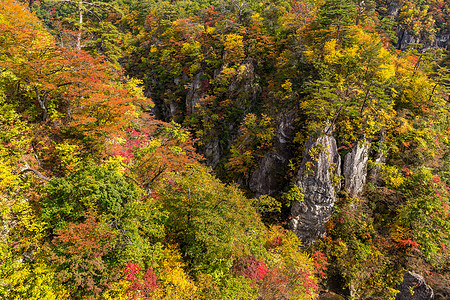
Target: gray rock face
(442,41)
(245,85)
(194,94)
(394,8)
(321,162)
(416,283)
(267,178)
(355,169)
(405,38)
(285,130)
(375,172)
(213,153)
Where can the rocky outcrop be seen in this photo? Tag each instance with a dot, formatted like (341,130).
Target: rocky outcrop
(442,41)
(194,94)
(394,8)
(244,87)
(213,153)
(378,158)
(320,164)
(355,169)
(405,39)
(414,287)
(268,177)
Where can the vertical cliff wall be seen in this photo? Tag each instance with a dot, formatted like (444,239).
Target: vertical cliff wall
(317,178)
(355,169)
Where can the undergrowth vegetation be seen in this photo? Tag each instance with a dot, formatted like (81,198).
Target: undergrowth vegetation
(131,134)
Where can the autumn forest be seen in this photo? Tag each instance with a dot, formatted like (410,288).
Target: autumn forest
(224,149)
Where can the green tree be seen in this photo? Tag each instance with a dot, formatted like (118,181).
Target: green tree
(334,19)
(211,222)
(103,188)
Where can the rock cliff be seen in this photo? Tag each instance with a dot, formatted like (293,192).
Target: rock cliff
(355,169)
(414,287)
(317,179)
(268,177)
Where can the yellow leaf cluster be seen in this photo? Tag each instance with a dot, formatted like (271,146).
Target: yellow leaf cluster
(257,19)
(309,53)
(234,48)
(175,283)
(29,24)
(36,283)
(330,53)
(8,180)
(392,175)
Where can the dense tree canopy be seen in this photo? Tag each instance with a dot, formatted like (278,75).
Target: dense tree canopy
(134,137)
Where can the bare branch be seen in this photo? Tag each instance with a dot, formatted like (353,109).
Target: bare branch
(38,174)
(432,92)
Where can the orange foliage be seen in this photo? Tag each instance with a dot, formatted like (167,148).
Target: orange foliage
(68,87)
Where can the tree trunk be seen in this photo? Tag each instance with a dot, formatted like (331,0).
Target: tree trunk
(41,100)
(80,24)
